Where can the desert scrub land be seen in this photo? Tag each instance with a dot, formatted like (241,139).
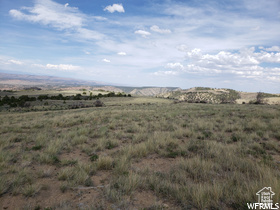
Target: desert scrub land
(140,153)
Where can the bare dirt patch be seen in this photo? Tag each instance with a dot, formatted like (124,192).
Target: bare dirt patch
(148,200)
(76,154)
(49,195)
(101,178)
(156,164)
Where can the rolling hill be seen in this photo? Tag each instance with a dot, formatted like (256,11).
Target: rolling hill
(218,95)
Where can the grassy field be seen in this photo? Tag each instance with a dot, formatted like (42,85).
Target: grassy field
(143,153)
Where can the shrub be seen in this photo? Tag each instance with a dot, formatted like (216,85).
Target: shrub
(98,103)
(94,157)
(38,147)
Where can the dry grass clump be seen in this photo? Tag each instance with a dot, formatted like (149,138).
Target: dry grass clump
(75,176)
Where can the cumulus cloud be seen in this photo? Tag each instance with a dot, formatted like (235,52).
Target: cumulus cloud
(58,16)
(177,66)
(273,48)
(194,54)
(63,67)
(106,60)
(247,63)
(16,14)
(143,33)
(161,31)
(245,57)
(175,69)
(269,57)
(121,53)
(114,8)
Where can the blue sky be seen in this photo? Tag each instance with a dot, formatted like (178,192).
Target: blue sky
(231,44)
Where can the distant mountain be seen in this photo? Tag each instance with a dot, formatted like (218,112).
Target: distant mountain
(17,81)
(21,81)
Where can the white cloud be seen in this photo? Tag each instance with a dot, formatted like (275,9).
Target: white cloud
(245,64)
(245,57)
(179,69)
(89,34)
(273,48)
(114,8)
(121,53)
(58,16)
(100,18)
(182,48)
(195,53)
(106,60)
(15,62)
(177,66)
(143,33)
(165,73)
(268,57)
(161,31)
(47,12)
(63,67)
(16,14)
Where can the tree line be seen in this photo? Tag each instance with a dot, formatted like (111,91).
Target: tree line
(21,101)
